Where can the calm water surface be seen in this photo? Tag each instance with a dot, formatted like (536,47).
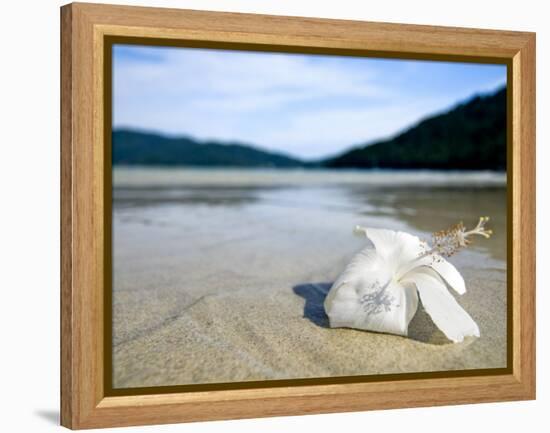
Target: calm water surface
(182,201)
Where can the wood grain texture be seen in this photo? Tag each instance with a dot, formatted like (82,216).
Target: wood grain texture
(526,286)
(84,28)
(67,389)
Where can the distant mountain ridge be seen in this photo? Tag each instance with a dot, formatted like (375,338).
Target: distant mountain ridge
(470,136)
(144,148)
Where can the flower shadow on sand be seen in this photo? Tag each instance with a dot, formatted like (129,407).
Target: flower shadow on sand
(421,327)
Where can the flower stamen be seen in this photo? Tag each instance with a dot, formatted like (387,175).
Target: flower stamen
(448,242)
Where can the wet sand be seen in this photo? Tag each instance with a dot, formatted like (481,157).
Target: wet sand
(221,277)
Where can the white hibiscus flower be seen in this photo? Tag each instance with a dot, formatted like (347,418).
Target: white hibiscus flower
(379,289)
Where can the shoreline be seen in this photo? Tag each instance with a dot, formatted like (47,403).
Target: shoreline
(140,176)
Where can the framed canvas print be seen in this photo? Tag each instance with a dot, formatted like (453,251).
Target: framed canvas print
(269,216)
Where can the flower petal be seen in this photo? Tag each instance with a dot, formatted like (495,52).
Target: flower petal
(445,269)
(450,274)
(412,302)
(395,247)
(363,265)
(442,307)
(365,297)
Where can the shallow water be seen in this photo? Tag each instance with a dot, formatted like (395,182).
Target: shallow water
(212,266)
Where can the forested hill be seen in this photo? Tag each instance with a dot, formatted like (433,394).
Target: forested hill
(471,136)
(139,148)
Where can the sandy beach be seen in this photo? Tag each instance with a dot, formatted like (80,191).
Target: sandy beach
(220,276)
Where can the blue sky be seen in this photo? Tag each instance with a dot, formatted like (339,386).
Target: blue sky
(308,106)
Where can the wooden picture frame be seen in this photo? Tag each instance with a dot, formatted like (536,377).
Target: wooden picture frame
(85,212)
